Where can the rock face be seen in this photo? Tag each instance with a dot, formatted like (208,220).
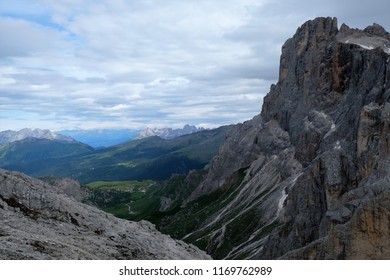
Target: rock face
(70,187)
(38,221)
(316,160)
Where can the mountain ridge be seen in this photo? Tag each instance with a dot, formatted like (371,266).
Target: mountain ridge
(148,158)
(33,149)
(307,177)
(9,136)
(167,133)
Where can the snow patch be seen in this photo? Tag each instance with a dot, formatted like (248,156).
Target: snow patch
(370,47)
(281,201)
(368,42)
(331,130)
(285,195)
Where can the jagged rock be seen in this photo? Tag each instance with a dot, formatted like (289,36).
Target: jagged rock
(240,151)
(316,158)
(352,92)
(38,221)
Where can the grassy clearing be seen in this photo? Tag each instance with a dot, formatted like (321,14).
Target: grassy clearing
(124,199)
(122,185)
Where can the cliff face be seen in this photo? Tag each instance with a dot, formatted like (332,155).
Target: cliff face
(39,221)
(332,97)
(316,160)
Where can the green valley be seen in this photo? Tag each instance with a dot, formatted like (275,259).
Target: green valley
(145,199)
(149,158)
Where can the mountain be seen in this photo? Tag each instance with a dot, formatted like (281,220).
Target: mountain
(309,177)
(10,136)
(98,138)
(168,133)
(31,149)
(28,145)
(39,221)
(148,158)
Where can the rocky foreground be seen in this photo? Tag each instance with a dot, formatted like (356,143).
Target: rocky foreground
(39,221)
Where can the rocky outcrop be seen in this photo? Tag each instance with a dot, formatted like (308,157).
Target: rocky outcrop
(238,152)
(346,84)
(316,160)
(38,221)
(69,187)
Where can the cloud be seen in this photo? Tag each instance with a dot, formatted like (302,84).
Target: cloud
(88,63)
(23,38)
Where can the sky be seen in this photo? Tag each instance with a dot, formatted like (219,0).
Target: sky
(83,64)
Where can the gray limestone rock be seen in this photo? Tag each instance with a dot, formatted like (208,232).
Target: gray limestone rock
(317,157)
(39,221)
(345,78)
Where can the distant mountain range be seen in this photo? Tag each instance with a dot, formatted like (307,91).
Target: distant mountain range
(28,145)
(147,158)
(168,133)
(10,136)
(99,138)
(96,138)
(33,149)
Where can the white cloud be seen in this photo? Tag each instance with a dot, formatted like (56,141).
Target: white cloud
(88,63)
(23,38)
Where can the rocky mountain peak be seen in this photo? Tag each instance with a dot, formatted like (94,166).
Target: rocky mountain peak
(377,30)
(311,170)
(319,64)
(9,136)
(167,133)
(372,37)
